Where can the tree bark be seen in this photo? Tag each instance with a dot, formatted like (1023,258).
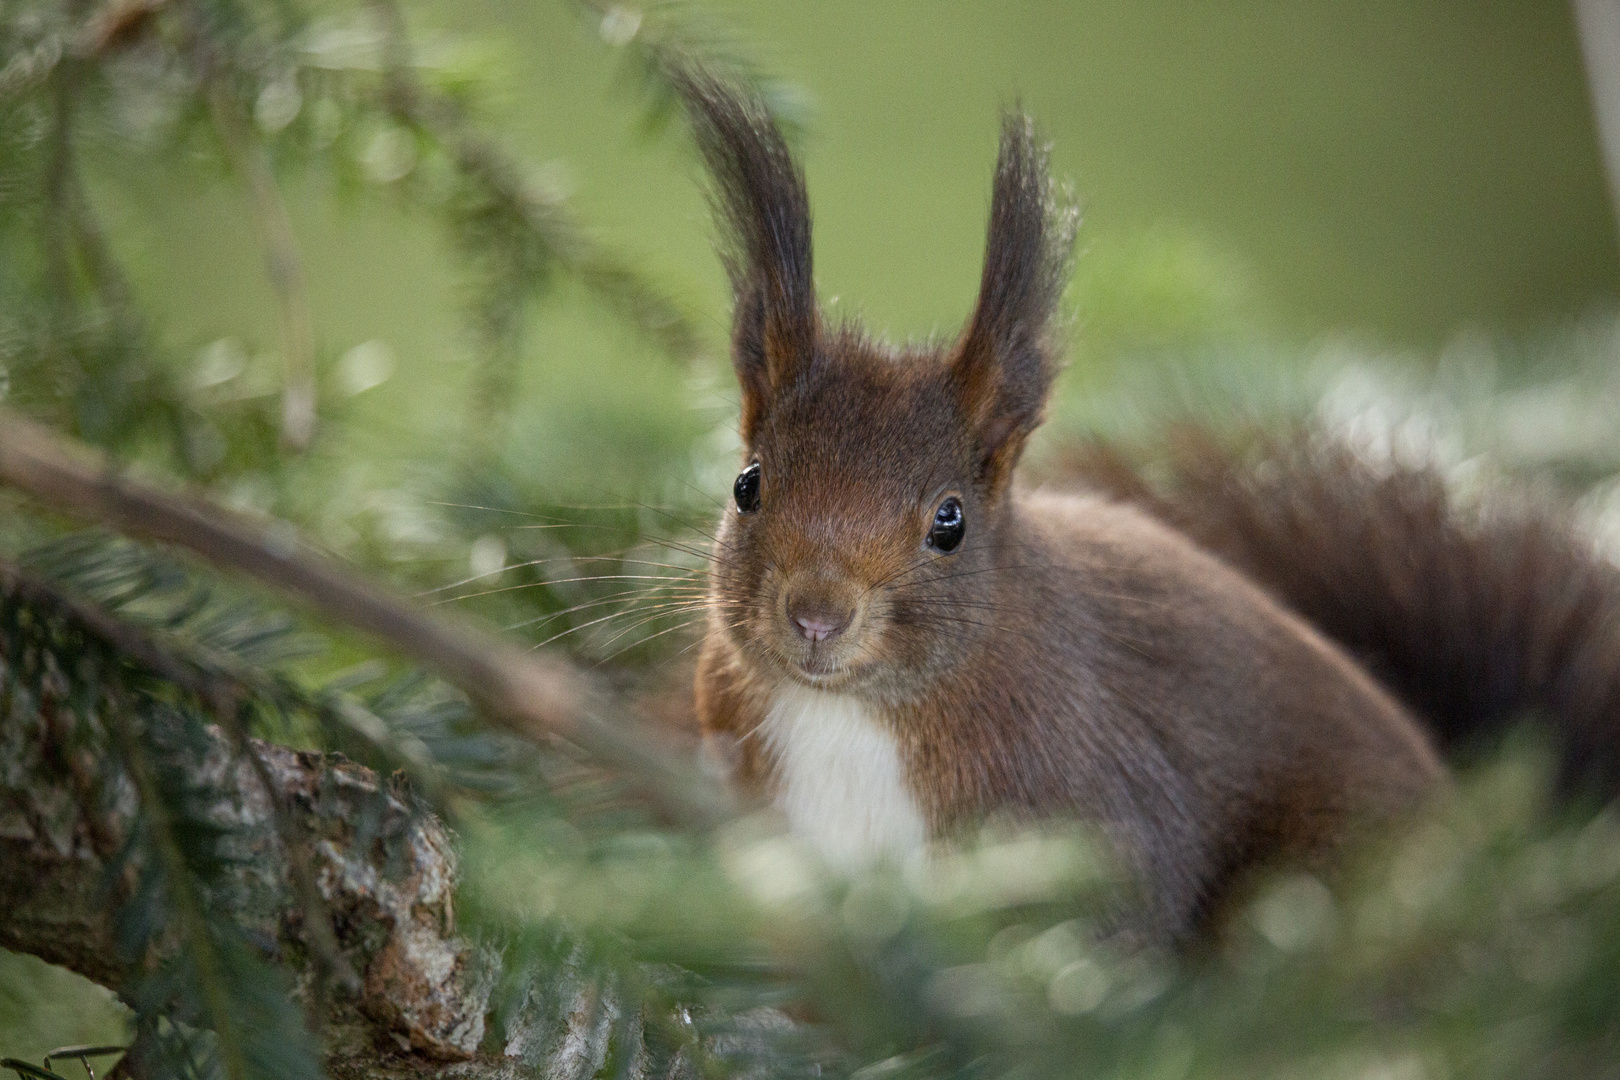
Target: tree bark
(385,870)
(371,943)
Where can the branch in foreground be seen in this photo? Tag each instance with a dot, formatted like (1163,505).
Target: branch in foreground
(530,694)
(384,868)
(73,846)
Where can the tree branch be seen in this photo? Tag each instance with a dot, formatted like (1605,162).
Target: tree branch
(531,694)
(283,263)
(78,773)
(423,989)
(1598,25)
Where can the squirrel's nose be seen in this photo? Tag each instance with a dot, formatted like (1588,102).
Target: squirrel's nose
(818,624)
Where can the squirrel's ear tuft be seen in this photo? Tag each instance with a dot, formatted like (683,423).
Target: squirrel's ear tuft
(764,213)
(1006,360)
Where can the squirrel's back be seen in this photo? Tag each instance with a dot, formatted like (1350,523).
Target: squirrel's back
(1119,674)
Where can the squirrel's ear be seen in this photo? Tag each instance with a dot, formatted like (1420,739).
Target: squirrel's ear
(759,198)
(1005,362)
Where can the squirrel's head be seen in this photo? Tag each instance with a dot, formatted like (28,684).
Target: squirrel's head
(863,541)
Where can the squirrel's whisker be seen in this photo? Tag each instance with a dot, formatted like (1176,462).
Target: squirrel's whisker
(692,572)
(590,623)
(552,582)
(934,617)
(965,574)
(630,598)
(650,637)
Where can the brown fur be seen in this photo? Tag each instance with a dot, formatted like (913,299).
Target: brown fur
(1074,656)
(1478,617)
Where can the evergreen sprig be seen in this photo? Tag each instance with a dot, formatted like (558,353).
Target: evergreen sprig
(258,89)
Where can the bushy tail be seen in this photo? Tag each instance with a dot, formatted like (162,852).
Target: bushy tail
(1478,616)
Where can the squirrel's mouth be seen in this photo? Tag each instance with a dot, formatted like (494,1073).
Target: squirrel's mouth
(818,665)
(843,680)
(816,668)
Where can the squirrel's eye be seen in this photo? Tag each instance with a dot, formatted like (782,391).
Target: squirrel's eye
(948,527)
(746,489)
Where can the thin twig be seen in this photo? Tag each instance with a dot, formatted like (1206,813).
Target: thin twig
(284,265)
(59,187)
(100,266)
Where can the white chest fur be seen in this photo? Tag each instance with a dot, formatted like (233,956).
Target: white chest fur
(839,777)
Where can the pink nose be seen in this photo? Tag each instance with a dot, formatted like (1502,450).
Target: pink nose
(818,626)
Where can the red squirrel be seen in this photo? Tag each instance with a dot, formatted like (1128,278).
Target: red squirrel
(903,641)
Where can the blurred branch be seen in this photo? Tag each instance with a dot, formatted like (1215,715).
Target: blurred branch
(530,225)
(1598,25)
(60,185)
(73,218)
(283,262)
(661,38)
(99,265)
(117,24)
(531,694)
(284,265)
(110,27)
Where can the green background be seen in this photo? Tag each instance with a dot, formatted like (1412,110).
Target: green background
(1251,171)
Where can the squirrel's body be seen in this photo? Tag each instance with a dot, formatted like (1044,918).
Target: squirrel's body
(1118,674)
(902,644)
